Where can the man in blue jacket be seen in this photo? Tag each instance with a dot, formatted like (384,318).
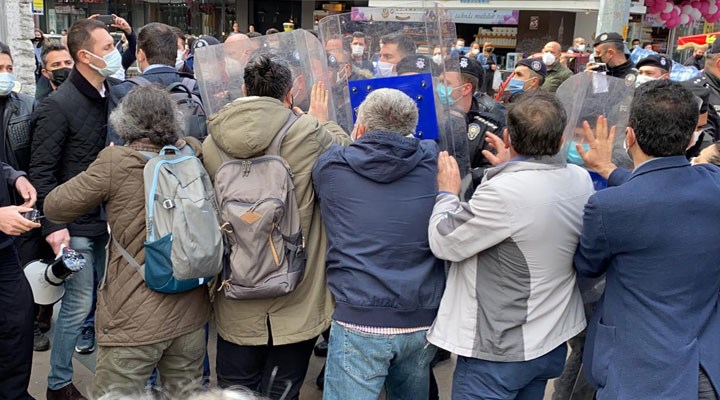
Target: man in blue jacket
(376,198)
(656,331)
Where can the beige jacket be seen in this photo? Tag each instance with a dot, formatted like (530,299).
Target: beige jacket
(244,129)
(128,313)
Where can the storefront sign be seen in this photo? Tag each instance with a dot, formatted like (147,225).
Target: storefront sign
(485,17)
(37,7)
(479,17)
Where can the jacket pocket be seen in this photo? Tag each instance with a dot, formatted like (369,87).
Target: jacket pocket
(18,132)
(603,350)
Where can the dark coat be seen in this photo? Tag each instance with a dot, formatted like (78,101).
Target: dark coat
(69,130)
(658,321)
(376,198)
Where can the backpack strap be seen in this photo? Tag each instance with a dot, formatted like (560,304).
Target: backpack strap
(274,148)
(178,87)
(189,83)
(140,81)
(128,258)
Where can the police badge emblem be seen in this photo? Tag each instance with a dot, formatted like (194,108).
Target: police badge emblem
(473,131)
(630,80)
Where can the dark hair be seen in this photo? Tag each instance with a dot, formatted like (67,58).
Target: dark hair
(358,34)
(271,31)
(79,36)
(535,122)
(147,112)
(404,43)
(618,46)
(646,44)
(268,78)
(635,40)
(179,33)
(52,45)
(253,34)
(663,115)
(5,49)
(159,43)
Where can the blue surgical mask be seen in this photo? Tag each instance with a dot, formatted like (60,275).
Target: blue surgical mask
(445,94)
(516,86)
(573,156)
(112,60)
(7,83)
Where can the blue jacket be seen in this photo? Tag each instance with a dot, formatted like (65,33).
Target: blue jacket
(163,76)
(376,198)
(655,237)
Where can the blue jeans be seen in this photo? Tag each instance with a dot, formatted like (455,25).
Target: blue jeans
(359,365)
(490,380)
(75,307)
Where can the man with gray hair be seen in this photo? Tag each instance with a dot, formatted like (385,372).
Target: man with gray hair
(376,197)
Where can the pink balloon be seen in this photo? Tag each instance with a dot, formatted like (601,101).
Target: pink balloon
(665,16)
(704,6)
(649,3)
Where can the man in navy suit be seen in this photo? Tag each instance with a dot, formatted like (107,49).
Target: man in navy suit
(656,331)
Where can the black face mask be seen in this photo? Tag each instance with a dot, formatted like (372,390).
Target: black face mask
(699,57)
(36,40)
(59,75)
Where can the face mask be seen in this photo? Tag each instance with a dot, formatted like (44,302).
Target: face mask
(490,49)
(7,83)
(36,40)
(384,69)
(581,48)
(58,76)
(643,79)
(516,86)
(475,51)
(445,94)
(459,48)
(358,50)
(548,59)
(179,59)
(636,46)
(699,57)
(573,156)
(695,137)
(113,63)
(437,59)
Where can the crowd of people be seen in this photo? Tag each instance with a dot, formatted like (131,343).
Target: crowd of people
(490,243)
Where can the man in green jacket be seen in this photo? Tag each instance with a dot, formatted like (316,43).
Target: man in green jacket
(557,73)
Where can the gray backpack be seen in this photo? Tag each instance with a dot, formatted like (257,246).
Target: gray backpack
(184,246)
(261,223)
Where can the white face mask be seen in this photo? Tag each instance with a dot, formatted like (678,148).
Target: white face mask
(358,50)
(643,79)
(437,59)
(475,51)
(385,69)
(112,60)
(179,59)
(548,59)
(581,47)
(695,137)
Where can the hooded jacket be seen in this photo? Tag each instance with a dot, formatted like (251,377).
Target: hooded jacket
(244,129)
(376,198)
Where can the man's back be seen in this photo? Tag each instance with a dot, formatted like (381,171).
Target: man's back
(658,243)
(514,241)
(376,198)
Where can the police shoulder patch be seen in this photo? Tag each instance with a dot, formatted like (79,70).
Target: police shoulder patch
(630,79)
(473,131)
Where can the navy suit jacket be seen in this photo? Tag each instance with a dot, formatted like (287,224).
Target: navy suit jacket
(163,76)
(656,238)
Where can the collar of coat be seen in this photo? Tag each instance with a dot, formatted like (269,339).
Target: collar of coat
(87,89)
(528,164)
(145,145)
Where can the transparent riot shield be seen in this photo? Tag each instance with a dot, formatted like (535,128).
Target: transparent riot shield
(373,48)
(586,96)
(219,69)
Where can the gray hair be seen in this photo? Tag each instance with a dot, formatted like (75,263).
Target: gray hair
(147,112)
(389,110)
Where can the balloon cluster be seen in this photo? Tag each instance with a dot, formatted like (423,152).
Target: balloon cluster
(684,13)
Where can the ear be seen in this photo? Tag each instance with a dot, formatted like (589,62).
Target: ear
(46,74)
(140,55)
(630,138)
(244,91)
(467,89)
(360,131)
(506,138)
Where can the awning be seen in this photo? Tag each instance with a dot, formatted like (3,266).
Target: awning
(694,41)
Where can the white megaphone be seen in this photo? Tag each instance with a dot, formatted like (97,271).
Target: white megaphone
(47,278)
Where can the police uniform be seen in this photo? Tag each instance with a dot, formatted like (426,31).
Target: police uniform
(627,70)
(655,60)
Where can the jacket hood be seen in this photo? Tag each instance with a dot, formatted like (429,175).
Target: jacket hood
(247,126)
(385,156)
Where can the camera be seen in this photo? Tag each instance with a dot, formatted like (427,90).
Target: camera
(601,67)
(106,19)
(33,215)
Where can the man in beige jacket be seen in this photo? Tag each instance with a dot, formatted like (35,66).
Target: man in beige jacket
(255,336)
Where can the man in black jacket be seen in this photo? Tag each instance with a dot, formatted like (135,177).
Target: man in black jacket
(69,132)
(610,50)
(16,301)
(156,56)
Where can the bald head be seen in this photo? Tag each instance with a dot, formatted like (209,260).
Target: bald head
(554,48)
(236,37)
